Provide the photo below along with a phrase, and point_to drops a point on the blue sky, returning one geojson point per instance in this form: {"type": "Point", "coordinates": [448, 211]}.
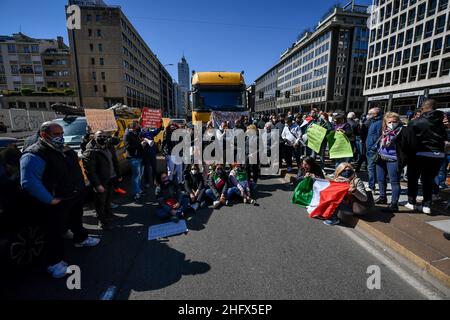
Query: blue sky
{"type": "Point", "coordinates": [231, 35]}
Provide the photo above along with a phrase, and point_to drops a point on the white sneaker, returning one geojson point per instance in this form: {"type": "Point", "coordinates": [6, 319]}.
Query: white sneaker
{"type": "Point", "coordinates": [59, 270]}
{"type": "Point", "coordinates": [89, 242]}
{"type": "Point", "coordinates": [216, 204]}
{"type": "Point", "coordinates": [195, 206]}
{"type": "Point", "coordinates": [410, 206]}
{"type": "Point", "coordinates": [426, 210]}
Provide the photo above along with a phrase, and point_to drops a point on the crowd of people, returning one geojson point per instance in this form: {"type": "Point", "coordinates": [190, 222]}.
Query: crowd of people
{"type": "Point", "coordinates": [47, 175]}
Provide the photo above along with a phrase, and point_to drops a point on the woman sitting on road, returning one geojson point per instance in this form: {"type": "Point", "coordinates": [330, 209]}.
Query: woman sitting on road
{"type": "Point", "coordinates": [239, 179]}
{"type": "Point", "coordinates": [194, 185]}
{"type": "Point", "coordinates": [172, 203]}
{"type": "Point", "coordinates": [357, 200]}
{"type": "Point", "coordinates": [309, 168]}
{"type": "Point", "coordinates": [218, 183]}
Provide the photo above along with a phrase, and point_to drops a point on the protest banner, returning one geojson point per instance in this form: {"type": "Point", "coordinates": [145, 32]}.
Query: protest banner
{"type": "Point", "coordinates": [167, 229]}
{"type": "Point", "coordinates": [151, 118]}
{"type": "Point", "coordinates": [217, 117]}
{"type": "Point", "coordinates": [339, 146]}
{"type": "Point", "coordinates": [101, 120]}
{"type": "Point", "coordinates": [316, 135]}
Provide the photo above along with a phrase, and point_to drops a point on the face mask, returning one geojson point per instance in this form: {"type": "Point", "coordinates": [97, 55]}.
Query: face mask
{"type": "Point", "coordinates": [392, 126]}
{"type": "Point", "coordinates": [219, 171]}
{"type": "Point", "coordinates": [102, 141]}
{"type": "Point", "coordinates": [194, 172]}
{"type": "Point", "coordinates": [58, 142]}
{"type": "Point", "coordinates": [347, 174]}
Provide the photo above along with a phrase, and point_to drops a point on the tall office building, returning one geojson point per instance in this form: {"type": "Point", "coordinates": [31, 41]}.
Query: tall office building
{"type": "Point", "coordinates": [113, 64]}
{"type": "Point", "coordinates": [409, 54]}
{"type": "Point", "coordinates": [183, 74]}
{"type": "Point", "coordinates": [325, 68]}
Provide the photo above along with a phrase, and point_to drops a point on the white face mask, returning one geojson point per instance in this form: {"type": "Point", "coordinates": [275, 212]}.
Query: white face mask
{"type": "Point", "coordinates": [393, 126]}
{"type": "Point", "coordinates": [194, 172]}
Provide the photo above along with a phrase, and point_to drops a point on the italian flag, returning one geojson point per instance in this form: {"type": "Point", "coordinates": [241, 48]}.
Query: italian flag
{"type": "Point", "coordinates": [320, 197]}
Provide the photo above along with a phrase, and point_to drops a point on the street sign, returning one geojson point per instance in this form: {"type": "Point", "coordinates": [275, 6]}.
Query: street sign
{"type": "Point", "coordinates": [167, 229]}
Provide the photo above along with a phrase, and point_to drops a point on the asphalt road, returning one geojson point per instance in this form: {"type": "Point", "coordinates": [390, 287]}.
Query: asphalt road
{"type": "Point", "coordinates": [273, 251]}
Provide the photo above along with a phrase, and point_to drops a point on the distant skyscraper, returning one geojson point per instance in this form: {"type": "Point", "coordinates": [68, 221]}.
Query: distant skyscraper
{"type": "Point", "coordinates": [183, 74]}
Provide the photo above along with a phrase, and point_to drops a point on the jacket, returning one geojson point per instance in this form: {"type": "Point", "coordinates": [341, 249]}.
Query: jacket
{"type": "Point", "coordinates": [374, 134]}
{"type": "Point", "coordinates": [430, 132]}
{"type": "Point", "coordinates": [193, 182]}
{"type": "Point", "coordinates": [98, 166]}
{"type": "Point", "coordinates": [135, 150]}
{"type": "Point", "coordinates": [218, 184]}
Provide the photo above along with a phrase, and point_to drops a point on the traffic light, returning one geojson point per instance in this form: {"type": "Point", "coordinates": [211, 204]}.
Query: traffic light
{"type": "Point", "coordinates": [287, 94]}
{"type": "Point", "coordinates": [261, 94]}
{"type": "Point", "coordinates": [277, 93]}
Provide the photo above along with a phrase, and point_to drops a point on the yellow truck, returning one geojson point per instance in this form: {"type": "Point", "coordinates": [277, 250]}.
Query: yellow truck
{"type": "Point", "coordinates": [217, 91]}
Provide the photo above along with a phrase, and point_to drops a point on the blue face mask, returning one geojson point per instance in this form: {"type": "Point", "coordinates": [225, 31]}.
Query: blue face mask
{"type": "Point", "coordinates": [347, 174]}
{"type": "Point", "coordinates": [58, 142]}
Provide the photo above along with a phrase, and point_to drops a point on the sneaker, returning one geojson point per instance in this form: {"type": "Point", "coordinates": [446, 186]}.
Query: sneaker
{"type": "Point", "coordinates": [332, 222]}
{"type": "Point", "coordinates": [120, 191]}
{"type": "Point", "coordinates": [195, 206]}
{"type": "Point", "coordinates": [138, 197]}
{"type": "Point", "coordinates": [68, 235]}
{"type": "Point", "coordinates": [245, 200]}
{"type": "Point", "coordinates": [89, 242]}
{"type": "Point", "coordinates": [392, 208]}
{"type": "Point", "coordinates": [227, 203]}
{"type": "Point", "coordinates": [426, 210]}
{"type": "Point", "coordinates": [252, 201]}
{"type": "Point", "coordinates": [114, 205]}
{"type": "Point", "coordinates": [59, 270]}
{"type": "Point", "coordinates": [369, 190]}
{"type": "Point", "coordinates": [410, 206]}
{"type": "Point", "coordinates": [216, 204]}
{"type": "Point", "coordinates": [381, 200]}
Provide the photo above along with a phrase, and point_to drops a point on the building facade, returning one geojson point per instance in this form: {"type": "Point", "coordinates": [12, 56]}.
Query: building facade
{"type": "Point", "coordinates": [324, 69]}
{"type": "Point", "coordinates": [112, 62]}
{"type": "Point", "coordinates": [179, 100]}
{"type": "Point", "coordinates": [166, 90]}
{"type": "Point", "coordinates": [57, 67]}
{"type": "Point", "coordinates": [184, 77]}
{"type": "Point", "coordinates": [409, 54]}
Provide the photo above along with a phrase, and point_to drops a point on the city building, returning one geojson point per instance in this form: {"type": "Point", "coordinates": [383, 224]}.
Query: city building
{"type": "Point", "coordinates": [33, 67]}
{"type": "Point", "coordinates": [184, 77]}
{"type": "Point", "coordinates": [409, 54]}
{"type": "Point", "coordinates": [325, 68]}
{"type": "Point", "coordinates": [179, 99]}
{"type": "Point", "coordinates": [251, 98]}
{"type": "Point", "coordinates": [112, 62]}
{"type": "Point", "coordinates": [166, 91]}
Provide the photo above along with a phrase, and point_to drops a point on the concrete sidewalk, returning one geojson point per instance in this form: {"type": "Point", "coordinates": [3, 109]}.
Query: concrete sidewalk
{"type": "Point", "coordinates": [417, 237]}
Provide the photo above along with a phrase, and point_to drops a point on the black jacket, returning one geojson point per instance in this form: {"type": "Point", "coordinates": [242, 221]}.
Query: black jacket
{"type": "Point", "coordinates": [212, 184]}
{"type": "Point", "coordinates": [193, 182]}
{"type": "Point", "coordinates": [430, 132]}
{"type": "Point", "coordinates": [97, 165]}
{"type": "Point", "coordinates": [134, 146]}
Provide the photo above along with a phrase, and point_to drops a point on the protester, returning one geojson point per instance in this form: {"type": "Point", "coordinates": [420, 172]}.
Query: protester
{"type": "Point", "coordinates": [135, 155]}
{"type": "Point", "coordinates": [239, 179]}
{"type": "Point", "coordinates": [324, 122]}
{"type": "Point", "coordinates": [356, 192]}
{"type": "Point", "coordinates": [309, 168]}
{"type": "Point", "coordinates": [172, 204]}
{"type": "Point", "coordinates": [150, 152]}
{"type": "Point", "coordinates": [351, 119]}
{"type": "Point", "coordinates": [252, 156]}
{"type": "Point", "coordinates": [374, 128]}
{"type": "Point", "coordinates": [341, 125]}
{"type": "Point", "coordinates": [174, 169]}
{"type": "Point", "coordinates": [58, 196]}
{"type": "Point", "coordinates": [430, 134]}
{"type": "Point", "coordinates": [102, 168]}
{"type": "Point", "coordinates": [388, 164]}
{"type": "Point", "coordinates": [290, 136]}
{"type": "Point", "coordinates": [194, 185]}
{"type": "Point", "coordinates": [218, 183]}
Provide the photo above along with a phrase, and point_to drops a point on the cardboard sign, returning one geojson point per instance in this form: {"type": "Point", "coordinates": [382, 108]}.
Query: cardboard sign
{"type": "Point", "coordinates": [151, 118]}
{"type": "Point", "coordinates": [101, 120]}
{"type": "Point", "coordinates": [167, 229]}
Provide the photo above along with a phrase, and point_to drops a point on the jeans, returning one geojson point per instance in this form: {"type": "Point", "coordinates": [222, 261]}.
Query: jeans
{"type": "Point", "coordinates": [184, 203]}
{"type": "Point", "coordinates": [230, 192]}
{"type": "Point", "coordinates": [385, 168]}
{"type": "Point", "coordinates": [371, 169]}
{"type": "Point", "coordinates": [150, 170]}
{"type": "Point", "coordinates": [358, 149]}
{"type": "Point", "coordinates": [441, 179]}
{"type": "Point", "coordinates": [137, 170]}
{"type": "Point", "coordinates": [427, 173]}
{"type": "Point", "coordinates": [174, 169]}
{"type": "Point", "coordinates": [289, 153]}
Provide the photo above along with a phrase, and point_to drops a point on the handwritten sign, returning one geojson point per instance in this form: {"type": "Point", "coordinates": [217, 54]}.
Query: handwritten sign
{"type": "Point", "coordinates": [151, 118]}
{"type": "Point", "coordinates": [101, 120]}
{"type": "Point", "coordinates": [166, 230]}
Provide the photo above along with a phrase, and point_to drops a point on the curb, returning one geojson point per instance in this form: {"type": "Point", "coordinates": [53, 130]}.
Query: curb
{"type": "Point", "coordinates": [422, 264]}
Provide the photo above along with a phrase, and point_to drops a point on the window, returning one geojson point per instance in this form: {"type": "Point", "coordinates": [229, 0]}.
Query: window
{"type": "Point", "coordinates": [392, 43]}
{"type": "Point", "coordinates": [411, 16]}
{"type": "Point", "coordinates": [102, 61]}
{"type": "Point", "coordinates": [409, 36]}
{"type": "Point", "coordinates": [385, 46]}
{"type": "Point", "coordinates": [421, 11]}
{"type": "Point", "coordinates": [395, 77]}
{"type": "Point", "coordinates": [35, 49]}
{"type": "Point", "coordinates": [404, 75]}
{"type": "Point", "coordinates": [14, 69]}
{"type": "Point", "coordinates": [104, 88]}
{"type": "Point", "coordinates": [443, 4]}
{"type": "Point", "coordinates": [413, 73]}
{"type": "Point", "coordinates": [445, 70]}
{"type": "Point", "coordinates": [423, 71]}
{"type": "Point", "coordinates": [90, 32]}
{"type": "Point", "coordinates": [380, 80]}
{"type": "Point", "coordinates": [388, 79]}
{"type": "Point", "coordinates": [400, 39]}
{"type": "Point", "coordinates": [91, 46]}
{"type": "Point", "coordinates": [94, 75]}
{"type": "Point", "coordinates": [89, 18]}
{"type": "Point", "coordinates": [402, 21]}
{"type": "Point", "coordinates": [437, 47]}
{"type": "Point", "coordinates": [96, 88]}
{"type": "Point", "coordinates": [387, 28]}
{"type": "Point", "coordinates": [429, 28]}
{"type": "Point", "coordinates": [426, 48]}
{"type": "Point", "coordinates": [11, 48]}
{"type": "Point", "coordinates": [434, 68]}
{"type": "Point", "coordinates": [447, 44]}
{"type": "Point", "coordinates": [100, 47]}
{"type": "Point", "coordinates": [419, 33]}
{"type": "Point", "coordinates": [99, 33]}
{"type": "Point", "coordinates": [93, 61]}
{"type": "Point", "coordinates": [390, 61]}
{"type": "Point", "coordinates": [394, 25]}
{"type": "Point", "coordinates": [98, 18]}
{"type": "Point", "coordinates": [431, 7]}
{"type": "Point", "coordinates": [382, 63]}
{"type": "Point", "coordinates": [398, 58]}
{"type": "Point", "coordinates": [440, 24]}
{"type": "Point", "coordinates": [103, 76]}
{"type": "Point", "coordinates": [416, 53]}
{"type": "Point", "coordinates": [406, 56]}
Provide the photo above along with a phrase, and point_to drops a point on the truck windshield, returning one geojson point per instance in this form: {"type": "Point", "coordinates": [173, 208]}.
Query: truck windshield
{"type": "Point", "coordinates": [220, 100]}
